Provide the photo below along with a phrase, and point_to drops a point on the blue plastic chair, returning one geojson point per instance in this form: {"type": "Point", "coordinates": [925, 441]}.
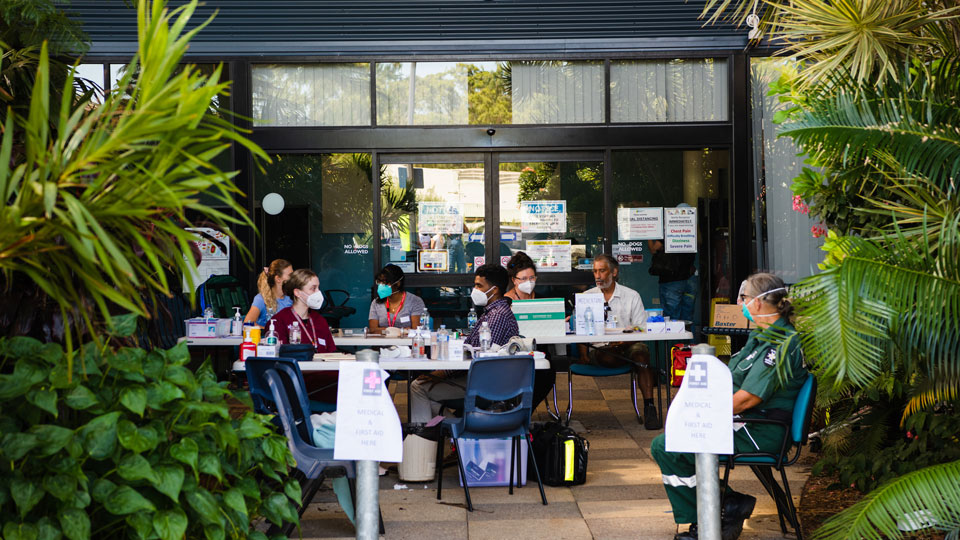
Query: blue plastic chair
{"type": "Point", "coordinates": [259, 391]}
{"type": "Point", "coordinates": [762, 463]}
{"type": "Point", "coordinates": [494, 379]}
{"type": "Point", "coordinates": [591, 370]}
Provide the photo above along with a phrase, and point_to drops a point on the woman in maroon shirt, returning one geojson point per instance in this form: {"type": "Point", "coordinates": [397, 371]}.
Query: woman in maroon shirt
{"type": "Point", "coordinates": [304, 287]}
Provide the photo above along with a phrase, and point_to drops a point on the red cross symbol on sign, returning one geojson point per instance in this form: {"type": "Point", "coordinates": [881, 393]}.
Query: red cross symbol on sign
{"type": "Point", "coordinates": [372, 380]}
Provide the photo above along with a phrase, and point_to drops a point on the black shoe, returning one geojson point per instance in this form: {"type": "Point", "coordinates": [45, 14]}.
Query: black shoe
{"type": "Point", "coordinates": [687, 535]}
{"type": "Point", "coordinates": [737, 506]}
{"type": "Point", "coordinates": [731, 530]}
{"type": "Point", "coordinates": [651, 418]}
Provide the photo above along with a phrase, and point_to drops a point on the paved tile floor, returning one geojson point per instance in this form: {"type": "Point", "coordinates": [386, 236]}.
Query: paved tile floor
{"type": "Point", "coordinates": [622, 498]}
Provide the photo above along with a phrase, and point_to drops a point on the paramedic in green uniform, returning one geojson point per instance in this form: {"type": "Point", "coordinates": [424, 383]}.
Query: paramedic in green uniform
{"type": "Point", "coordinates": [757, 392]}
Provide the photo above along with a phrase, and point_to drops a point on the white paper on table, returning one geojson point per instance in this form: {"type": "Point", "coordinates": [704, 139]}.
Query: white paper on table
{"type": "Point", "coordinates": [593, 301]}
{"type": "Point", "coordinates": [700, 418]}
{"type": "Point", "coordinates": [455, 349]}
{"type": "Point", "coordinates": [368, 427]}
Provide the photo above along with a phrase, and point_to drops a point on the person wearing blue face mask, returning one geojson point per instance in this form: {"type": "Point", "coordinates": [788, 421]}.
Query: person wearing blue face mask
{"type": "Point", "coordinates": [393, 306]}
{"type": "Point", "coordinates": [757, 393]}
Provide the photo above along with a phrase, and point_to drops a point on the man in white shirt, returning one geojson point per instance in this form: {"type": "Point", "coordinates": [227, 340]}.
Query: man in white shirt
{"type": "Point", "coordinates": [625, 304]}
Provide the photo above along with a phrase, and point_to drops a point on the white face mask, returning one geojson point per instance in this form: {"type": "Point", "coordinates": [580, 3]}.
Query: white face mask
{"type": "Point", "coordinates": [527, 286]}
{"type": "Point", "coordinates": [479, 297]}
{"type": "Point", "coordinates": [314, 301]}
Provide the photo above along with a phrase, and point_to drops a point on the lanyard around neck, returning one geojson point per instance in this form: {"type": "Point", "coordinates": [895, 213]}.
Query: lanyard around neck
{"type": "Point", "coordinates": [399, 309]}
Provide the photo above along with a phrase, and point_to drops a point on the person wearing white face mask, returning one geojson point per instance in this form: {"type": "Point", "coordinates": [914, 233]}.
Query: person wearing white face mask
{"type": "Point", "coordinates": [428, 391]}
{"type": "Point", "coordinates": [304, 287]}
{"type": "Point", "coordinates": [523, 277]}
{"type": "Point", "coordinates": [758, 392]}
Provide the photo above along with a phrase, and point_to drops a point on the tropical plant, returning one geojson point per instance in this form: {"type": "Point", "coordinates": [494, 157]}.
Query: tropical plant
{"type": "Point", "coordinates": [132, 444]}
{"type": "Point", "coordinates": [96, 208]}
{"type": "Point", "coordinates": [875, 109]}
{"type": "Point", "coordinates": [867, 37]}
{"type": "Point", "coordinates": [122, 442]}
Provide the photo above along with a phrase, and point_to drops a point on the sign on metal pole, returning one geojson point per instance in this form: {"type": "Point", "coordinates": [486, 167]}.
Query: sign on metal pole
{"type": "Point", "coordinates": [700, 421]}
{"type": "Point", "coordinates": [368, 431]}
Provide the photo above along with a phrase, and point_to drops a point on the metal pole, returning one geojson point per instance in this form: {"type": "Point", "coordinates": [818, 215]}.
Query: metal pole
{"type": "Point", "coordinates": [368, 481]}
{"type": "Point", "coordinates": [708, 482]}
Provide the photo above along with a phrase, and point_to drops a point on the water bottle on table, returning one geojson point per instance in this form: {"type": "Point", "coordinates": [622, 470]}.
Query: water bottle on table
{"type": "Point", "coordinates": [425, 320]}
{"type": "Point", "coordinates": [486, 338]}
{"type": "Point", "coordinates": [588, 322]}
{"type": "Point", "coordinates": [471, 318]}
{"type": "Point", "coordinates": [443, 343]}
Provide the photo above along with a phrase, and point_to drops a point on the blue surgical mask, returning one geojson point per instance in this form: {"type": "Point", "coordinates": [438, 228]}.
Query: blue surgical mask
{"type": "Point", "coordinates": [746, 312]}
{"type": "Point", "coordinates": [384, 290]}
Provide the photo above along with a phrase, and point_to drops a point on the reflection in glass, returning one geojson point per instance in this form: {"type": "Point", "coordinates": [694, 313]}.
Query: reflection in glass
{"type": "Point", "coordinates": [520, 92]}
{"type": "Point", "coordinates": [579, 185]}
{"type": "Point", "coordinates": [666, 179]}
{"type": "Point", "coordinates": [433, 217]}
{"type": "Point", "coordinates": [326, 223]}
{"type": "Point", "coordinates": [90, 80]}
{"type": "Point", "coordinates": [311, 95]}
{"type": "Point", "coordinates": [795, 253]}
{"type": "Point", "coordinates": [668, 91]}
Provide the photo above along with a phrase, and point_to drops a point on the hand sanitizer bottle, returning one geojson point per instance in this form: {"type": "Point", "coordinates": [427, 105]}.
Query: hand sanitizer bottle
{"type": "Point", "coordinates": [272, 334]}
{"type": "Point", "coordinates": [236, 325]}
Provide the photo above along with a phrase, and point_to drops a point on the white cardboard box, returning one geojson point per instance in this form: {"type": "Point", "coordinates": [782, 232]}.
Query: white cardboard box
{"type": "Point", "coordinates": [540, 317]}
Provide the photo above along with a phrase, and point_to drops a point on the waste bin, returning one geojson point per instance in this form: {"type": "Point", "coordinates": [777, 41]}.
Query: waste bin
{"type": "Point", "coordinates": [419, 453]}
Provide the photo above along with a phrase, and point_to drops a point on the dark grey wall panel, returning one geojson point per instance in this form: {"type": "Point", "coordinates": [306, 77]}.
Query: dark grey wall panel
{"type": "Point", "coordinates": [383, 27]}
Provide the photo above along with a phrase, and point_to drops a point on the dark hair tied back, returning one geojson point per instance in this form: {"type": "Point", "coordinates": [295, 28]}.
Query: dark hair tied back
{"type": "Point", "coordinates": [776, 291]}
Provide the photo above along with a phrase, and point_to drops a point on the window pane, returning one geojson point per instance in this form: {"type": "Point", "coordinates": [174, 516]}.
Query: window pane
{"type": "Point", "coordinates": [92, 75]}
{"type": "Point", "coordinates": [668, 91]}
{"type": "Point", "coordinates": [665, 180]}
{"type": "Point", "coordinates": [557, 92]}
{"type": "Point", "coordinates": [325, 224]}
{"type": "Point", "coordinates": [795, 253]}
{"type": "Point", "coordinates": [451, 93]}
{"type": "Point", "coordinates": [433, 217]}
{"type": "Point", "coordinates": [556, 243]}
{"type": "Point", "coordinates": [311, 95]}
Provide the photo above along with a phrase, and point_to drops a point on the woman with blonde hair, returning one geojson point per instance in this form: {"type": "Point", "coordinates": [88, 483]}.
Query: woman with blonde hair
{"type": "Point", "coordinates": [270, 298]}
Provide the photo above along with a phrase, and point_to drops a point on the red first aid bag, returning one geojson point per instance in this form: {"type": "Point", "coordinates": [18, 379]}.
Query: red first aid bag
{"type": "Point", "coordinates": [679, 354]}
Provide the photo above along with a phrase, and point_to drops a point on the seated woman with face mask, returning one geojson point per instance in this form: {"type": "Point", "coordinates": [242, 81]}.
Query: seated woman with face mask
{"type": "Point", "coordinates": [393, 306]}
{"type": "Point", "coordinates": [304, 287]}
{"type": "Point", "coordinates": [523, 277]}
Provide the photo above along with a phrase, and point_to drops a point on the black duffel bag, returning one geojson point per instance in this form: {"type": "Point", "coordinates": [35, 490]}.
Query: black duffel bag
{"type": "Point", "coordinates": [561, 455]}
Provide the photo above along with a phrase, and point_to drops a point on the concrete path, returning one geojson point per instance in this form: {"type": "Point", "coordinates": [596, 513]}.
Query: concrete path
{"type": "Point", "coordinates": [622, 498]}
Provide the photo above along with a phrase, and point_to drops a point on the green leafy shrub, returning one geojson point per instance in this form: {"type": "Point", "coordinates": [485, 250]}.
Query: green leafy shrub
{"type": "Point", "coordinates": [133, 445]}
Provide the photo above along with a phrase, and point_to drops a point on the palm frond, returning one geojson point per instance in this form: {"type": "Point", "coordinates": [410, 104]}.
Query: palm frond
{"type": "Point", "coordinates": [104, 195]}
{"type": "Point", "coordinates": [854, 316]}
{"type": "Point", "coordinates": [922, 500]}
{"type": "Point", "coordinates": [915, 123]}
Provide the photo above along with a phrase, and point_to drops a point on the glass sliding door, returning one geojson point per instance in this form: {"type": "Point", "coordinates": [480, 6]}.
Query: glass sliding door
{"type": "Point", "coordinates": [432, 213]}
{"type": "Point", "coordinates": [551, 207]}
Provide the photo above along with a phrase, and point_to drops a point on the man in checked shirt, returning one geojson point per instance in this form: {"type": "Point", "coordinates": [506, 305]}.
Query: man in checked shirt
{"type": "Point", "coordinates": [428, 391]}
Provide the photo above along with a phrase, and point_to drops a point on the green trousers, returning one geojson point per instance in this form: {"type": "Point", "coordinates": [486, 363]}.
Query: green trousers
{"type": "Point", "coordinates": [679, 469]}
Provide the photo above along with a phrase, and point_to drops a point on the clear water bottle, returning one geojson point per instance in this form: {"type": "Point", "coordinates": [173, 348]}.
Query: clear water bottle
{"type": "Point", "coordinates": [425, 320]}
{"type": "Point", "coordinates": [486, 339]}
{"type": "Point", "coordinates": [471, 318]}
{"type": "Point", "coordinates": [588, 321]}
{"type": "Point", "coordinates": [443, 343]}
{"type": "Point", "coordinates": [417, 349]}
{"type": "Point", "coordinates": [294, 333]}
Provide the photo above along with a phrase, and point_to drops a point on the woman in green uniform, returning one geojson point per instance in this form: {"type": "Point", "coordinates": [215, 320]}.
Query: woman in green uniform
{"type": "Point", "coordinates": [757, 392]}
